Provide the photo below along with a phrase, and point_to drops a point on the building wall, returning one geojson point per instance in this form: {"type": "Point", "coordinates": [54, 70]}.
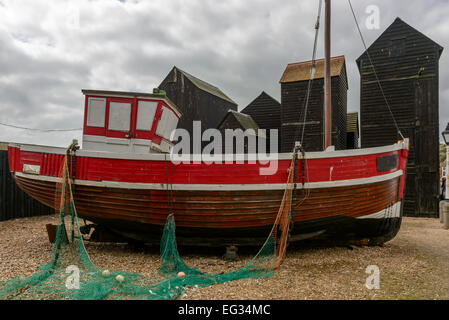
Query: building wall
{"type": "Point", "coordinates": [293, 97]}
{"type": "Point", "coordinates": [352, 141]}
{"type": "Point", "coordinates": [266, 112]}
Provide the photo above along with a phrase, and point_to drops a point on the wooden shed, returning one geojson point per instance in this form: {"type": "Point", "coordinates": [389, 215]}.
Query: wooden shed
{"type": "Point", "coordinates": [294, 85]}
{"type": "Point", "coordinates": [407, 65]}
{"type": "Point", "coordinates": [352, 130]}
{"type": "Point", "coordinates": [196, 99]}
{"type": "Point", "coordinates": [236, 120]}
{"type": "Point", "coordinates": [266, 112]}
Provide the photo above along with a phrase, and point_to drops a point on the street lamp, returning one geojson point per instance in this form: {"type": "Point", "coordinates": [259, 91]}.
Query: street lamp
{"type": "Point", "coordinates": [446, 135]}
{"type": "Point", "coordinates": [446, 140]}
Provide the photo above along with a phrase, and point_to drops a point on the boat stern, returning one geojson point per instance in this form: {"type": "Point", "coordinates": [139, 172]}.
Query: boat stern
{"type": "Point", "coordinates": [13, 155]}
{"type": "Point", "coordinates": [403, 157]}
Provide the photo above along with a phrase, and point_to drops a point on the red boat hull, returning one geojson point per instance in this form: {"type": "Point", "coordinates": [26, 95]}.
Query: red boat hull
{"type": "Point", "coordinates": [345, 195]}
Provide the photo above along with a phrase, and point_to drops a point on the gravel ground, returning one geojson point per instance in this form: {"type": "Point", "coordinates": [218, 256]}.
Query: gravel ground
{"type": "Point", "coordinates": [415, 265]}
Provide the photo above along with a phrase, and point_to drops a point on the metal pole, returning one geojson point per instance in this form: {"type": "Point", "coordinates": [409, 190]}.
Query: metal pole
{"type": "Point", "coordinates": [447, 172]}
{"type": "Point", "coordinates": [327, 89]}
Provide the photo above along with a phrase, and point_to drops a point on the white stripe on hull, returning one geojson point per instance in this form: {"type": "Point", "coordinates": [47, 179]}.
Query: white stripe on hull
{"type": "Point", "coordinates": [391, 212]}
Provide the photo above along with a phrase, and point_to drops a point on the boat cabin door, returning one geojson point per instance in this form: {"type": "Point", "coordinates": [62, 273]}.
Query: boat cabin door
{"type": "Point", "coordinates": [130, 123]}
{"type": "Point", "coordinates": [119, 123]}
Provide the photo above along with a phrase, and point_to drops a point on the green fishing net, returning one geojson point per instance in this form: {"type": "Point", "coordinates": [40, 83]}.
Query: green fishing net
{"type": "Point", "coordinates": [71, 275]}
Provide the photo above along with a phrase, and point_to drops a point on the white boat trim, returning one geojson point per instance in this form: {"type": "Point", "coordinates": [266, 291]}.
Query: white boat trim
{"type": "Point", "coordinates": [391, 212]}
{"type": "Point", "coordinates": [219, 187]}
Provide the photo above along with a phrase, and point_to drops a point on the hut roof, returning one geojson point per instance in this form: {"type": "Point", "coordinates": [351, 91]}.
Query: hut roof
{"type": "Point", "coordinates": [263, 95]}
{"type": "Point", "coordinates": [203, 85]}
{"type": "Point", "coordinates": [245, 121]}
{"type": "Point", "coordinates": [396, 23]}
{"type": "Point", "coordinates": [300, 71]}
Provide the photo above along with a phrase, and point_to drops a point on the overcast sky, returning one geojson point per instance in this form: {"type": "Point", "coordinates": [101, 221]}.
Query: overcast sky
{"type": "Point", "coordinates": [50, 50]}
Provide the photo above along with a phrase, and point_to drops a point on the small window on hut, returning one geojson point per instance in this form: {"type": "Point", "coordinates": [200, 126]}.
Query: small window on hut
{"type": "Point", "coordinates": [145, 115]}
{"type": "Point", "coordinates": [119, 116]}
{"type": "Point", "coordinates": [397, 47]}
{"type": "Point", "coordinates": [96, 110]}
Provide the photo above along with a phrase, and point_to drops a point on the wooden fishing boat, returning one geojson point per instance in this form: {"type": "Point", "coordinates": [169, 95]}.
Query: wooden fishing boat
{"type": "Point", "coordinates": [351, 194]}
{"type": "Point", "coordinates": [124, 180]}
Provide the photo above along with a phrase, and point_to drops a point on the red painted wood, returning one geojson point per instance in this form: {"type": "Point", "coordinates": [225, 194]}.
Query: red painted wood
{"type": "Point", "coordinates": [12, 156]}
{"type": "Point", "coordinates": [94, 131]}
{"type": "Point", "coordinates": [403, 166]}
{"type": "Point", "coordinates": [85, 128]}
{"type": "Point", "coordinates": [139, 171]}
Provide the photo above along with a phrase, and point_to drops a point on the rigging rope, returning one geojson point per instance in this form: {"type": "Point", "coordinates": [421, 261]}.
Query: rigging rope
{"type": "Point", "coordinates": [311, 75]}
{"type": "Point", "coordinates": [306, 194]}
{"type": "Point", "coordinates": [35, 129]}
{"type": "Point", "coordinates": [374, 70]}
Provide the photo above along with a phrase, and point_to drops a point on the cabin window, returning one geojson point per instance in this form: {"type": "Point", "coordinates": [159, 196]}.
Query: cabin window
{"type": "Point", "coordinates": [96, 110]}
{"type": "Point", "coordinates": [167, 124]}
{"type": "Point", "coordinates": [387, 163]}
{"type": "Point", "coordinates": [119, 116]}
{"type": "Point", "coordinates": [146, 111]}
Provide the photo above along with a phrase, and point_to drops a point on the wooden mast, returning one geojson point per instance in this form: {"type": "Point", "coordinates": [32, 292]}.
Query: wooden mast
{"type": "Point", "coordinates": [327, 81]}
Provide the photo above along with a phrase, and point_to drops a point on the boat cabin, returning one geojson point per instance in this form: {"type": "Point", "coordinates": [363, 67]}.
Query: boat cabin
{"type": "Point", "coordinates": [127, 122]}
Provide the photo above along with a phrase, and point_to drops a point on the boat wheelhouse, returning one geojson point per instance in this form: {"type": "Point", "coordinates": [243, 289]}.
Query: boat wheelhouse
{"type": "Point", "coordinates": [128, 122]}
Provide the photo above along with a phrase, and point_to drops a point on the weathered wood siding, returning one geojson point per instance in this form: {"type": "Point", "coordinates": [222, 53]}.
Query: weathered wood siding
{"type": "Point", "coordinates": [293, 97]}
{"type": "Point", "coordinates": [266, 112]}
{"type": "Point", "coordinates": [14, 203]}
{"type": "Point", "coordinates": [194, 103]}
{"type": "Point", "coordinates": [407, 64]}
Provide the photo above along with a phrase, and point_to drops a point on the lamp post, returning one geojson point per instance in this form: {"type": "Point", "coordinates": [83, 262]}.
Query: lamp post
{"type": "Point", "coordinates": [446, 135]}
{"type": "Point", "coordinates": [446, 141]}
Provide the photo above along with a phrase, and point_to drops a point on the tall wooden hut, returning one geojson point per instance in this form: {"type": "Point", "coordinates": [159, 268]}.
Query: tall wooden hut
{"type": "Point", "coordinates": [196, 99]}
{"type": "Point", "coordinates": [266, 112]}
{"type": "Point", "coordinates": [294, 86]}
{"type": "Point", "coordinates": [407, 65]}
